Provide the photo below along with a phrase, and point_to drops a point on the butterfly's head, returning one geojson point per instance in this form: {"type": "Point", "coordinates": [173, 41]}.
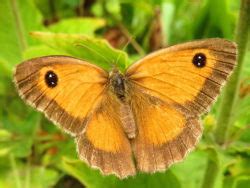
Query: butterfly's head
{"type": "Point", "coordinates": [115, 74]}
{"type": "Point", "coordinates": [114, 71]}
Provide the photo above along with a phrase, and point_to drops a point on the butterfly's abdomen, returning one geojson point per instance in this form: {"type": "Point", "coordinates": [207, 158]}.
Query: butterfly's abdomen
{"type": "Point", "coordinates": [128, 121]}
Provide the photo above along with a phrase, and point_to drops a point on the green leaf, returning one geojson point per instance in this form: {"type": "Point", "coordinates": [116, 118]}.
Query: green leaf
{"type": "Point", "coordinates": [7, 176]}
{"type": "Point", "coordinates": [242, 147]}
{"type": "Point", "coordinates": [4, 150]}
{"type": "Point", "coordinates": [13, 173]}
{"type": "Point", "coordinates": [64, 148]}
{"type": "Point", "coordinates": [86, 26]}
{"type": "Point", "coordinates": [96, 51]}
{"type": "Point", "coordinates": [17, 19]}
{"type": "Point", "coordinates": [40, 50]}
{"type": "Point", "coordinates": [167, 15]}
{"type": "Point", "coordinates": [93, 179]}
{"type": "Point", "coordinates": [97, 9]}
{"type": "Point", "coordinates": [23, 132]}
{"type": "Point", "coordinates": [59, 9]}
{"type": "Point", "coordinates": [242, 182]}
{"type": "Point", "coordinates": [113, 7]}
{"type": "Point", "coordinates": [193, 165]}
{"type": "Point", "coordinates": [213, 20]}
{"type": "Point", "coordinates": [5, 77]}
{"type": "Point", "coordinates": [4, 135]}
{"type": "Point", "coordinates": [241, 166]}
{"type": "Point", "coordinates": [42, 177]}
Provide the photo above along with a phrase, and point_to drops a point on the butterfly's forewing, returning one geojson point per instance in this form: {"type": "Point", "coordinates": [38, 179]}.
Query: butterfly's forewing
{"type": "Point", "coordinates": [185, 80]}
{"type": "Point", "coordinates": [171, 75]}
{"type": "Point", "coordinates": [69, 100]}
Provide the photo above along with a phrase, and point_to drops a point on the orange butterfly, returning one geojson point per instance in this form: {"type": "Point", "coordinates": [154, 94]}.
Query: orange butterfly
{"type": "Point", "coordinates": [143, 120]}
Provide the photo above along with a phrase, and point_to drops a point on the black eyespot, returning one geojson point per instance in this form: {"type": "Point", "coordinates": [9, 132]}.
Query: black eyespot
{"type": "Point", "coordinates": [199, 60]}
{"type": "Point", "coordinates": [51, 79]}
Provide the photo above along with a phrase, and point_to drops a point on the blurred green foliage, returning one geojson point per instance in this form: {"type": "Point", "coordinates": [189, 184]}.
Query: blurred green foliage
{"type": "Point", "coordinates": [34, 153]}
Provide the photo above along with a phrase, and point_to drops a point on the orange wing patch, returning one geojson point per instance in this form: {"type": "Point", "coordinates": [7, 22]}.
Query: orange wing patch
{"type": "Point", "coordinates": [70, 101]}
{"type": "Point", "coordinates": [175, 77]}
{"type": "Point", "coordinates": [76, 81]}
{"type": "Point", "coordinates": [165, 134]}
{"type": "Point", "coordinates": [160, 123]}
{"type": "Point", "coordinates": [105, 132]}
{"type": "Point", "coordinates": [170, 74]}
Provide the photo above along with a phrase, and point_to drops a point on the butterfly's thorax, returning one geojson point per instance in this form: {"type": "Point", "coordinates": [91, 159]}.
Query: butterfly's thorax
{"type": "Point", "coordinates": [117, 84]}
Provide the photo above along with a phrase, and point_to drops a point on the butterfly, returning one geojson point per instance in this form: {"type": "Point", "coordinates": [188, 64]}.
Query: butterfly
{"type": "Point", "coordinates": [143, 120]}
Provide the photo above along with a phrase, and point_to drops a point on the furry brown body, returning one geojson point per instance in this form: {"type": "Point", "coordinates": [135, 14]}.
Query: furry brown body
{"type": "Point", "coordinates": [119, 87]}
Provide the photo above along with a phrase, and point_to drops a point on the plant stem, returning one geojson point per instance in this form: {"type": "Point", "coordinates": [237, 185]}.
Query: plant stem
{"type": "Point", "coordinates": [27, 173]}
{"type": "Point", "coordinates": [231, 91]}
{"type": "Point", "coordinates": [230, 95]}
{"type": "Point", "coordinates": [16, 175]}
{"type": "Point", "coordinates": [81, 7]}
{"type": "Point", "coordinates": [134, 43]}
{"type": "Point", "coordinates": [211, 173]}
{"type": "Point", "coordinates": [19, 25]}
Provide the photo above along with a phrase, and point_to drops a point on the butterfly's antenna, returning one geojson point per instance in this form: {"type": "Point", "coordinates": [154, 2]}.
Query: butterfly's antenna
{"type": "Point", "coordinates": [118, 57]}
{"type": "Point", "coordinates": [99, 54]}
